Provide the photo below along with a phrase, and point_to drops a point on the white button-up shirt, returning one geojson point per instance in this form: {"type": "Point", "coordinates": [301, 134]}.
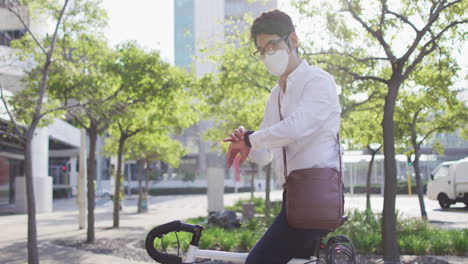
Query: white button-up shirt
{"type": "Point", "coordinates": [311, 120]}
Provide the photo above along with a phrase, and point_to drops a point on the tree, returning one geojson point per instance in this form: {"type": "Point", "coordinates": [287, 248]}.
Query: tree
{"type": "Point", "coordinates": [237, 94]}
{"type": "Point", "coordinates": [29, 105]}
{"type": "Point", "coordinates": [148, 147]}
{"type": "Point", "coordinates": [162, 102]}
{"type": "Point", "coordinates": [361, 129]}
{"type": "Point", "coordinates": [86, 75]}
{"type": "Point", "coordinates": [420, 116]}
{"type": "Point", "coordinates": [398, 37]}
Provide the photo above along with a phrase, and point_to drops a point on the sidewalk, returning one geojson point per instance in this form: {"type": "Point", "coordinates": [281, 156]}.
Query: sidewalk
{"type": "Point", "coordinates": [62, 225]}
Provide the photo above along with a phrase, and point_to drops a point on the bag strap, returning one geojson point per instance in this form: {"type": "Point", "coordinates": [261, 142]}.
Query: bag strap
{"type": "Point", "coordinates": [285, 165]}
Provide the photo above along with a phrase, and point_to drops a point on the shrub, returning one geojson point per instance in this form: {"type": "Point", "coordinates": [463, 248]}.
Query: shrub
{"type": "Point", "coordinates": [415, 236]}
{"type": "Point", "coordinates": [459, 241]}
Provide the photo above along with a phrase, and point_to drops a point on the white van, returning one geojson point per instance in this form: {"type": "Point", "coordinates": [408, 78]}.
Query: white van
{"type": "Point", "coordinates": [449, 183]}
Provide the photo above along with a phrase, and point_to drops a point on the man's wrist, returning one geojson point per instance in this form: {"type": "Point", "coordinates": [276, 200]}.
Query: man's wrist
{"type": "Point", "coordinates": [246, 138]}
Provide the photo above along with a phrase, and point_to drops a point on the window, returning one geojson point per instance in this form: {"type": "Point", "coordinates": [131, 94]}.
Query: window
{"type": "Point", "coordinates": [7, 36]}
{"type": "Point", "coordinates": [59, 170]}
{"type": "Point", "coordinates": [442, 172]}
{"type": "Point", "coordinates": [183, 32]}
{"type": "Point", "coordinates": [5, 3]}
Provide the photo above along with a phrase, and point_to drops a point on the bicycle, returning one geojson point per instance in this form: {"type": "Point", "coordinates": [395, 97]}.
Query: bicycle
{"type": "Point", "coordinates": [338, 249]}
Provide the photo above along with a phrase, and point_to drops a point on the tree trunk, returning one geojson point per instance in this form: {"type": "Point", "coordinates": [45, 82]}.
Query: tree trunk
{"type": "Point", "coordinates": [252, 186]}
{"type": "Point", "coordinates": [368, 182]}
{"type": "Point", "coordinates": [140, 167]}
{"type": "Point", "coordinates": [391, 253]}
{"type": "Point", "coordinates": [91, 172]}
{"type": "Point", "coordinates": [417, 171]}
{"type": "Point", "coordinates": [267, 190]}
{"type": "Point", "coordinates": [118, 179]}
{"type": "Point", "coordinates": [147, 182]}
{"type": "Point", "coordinates": [33, 257]}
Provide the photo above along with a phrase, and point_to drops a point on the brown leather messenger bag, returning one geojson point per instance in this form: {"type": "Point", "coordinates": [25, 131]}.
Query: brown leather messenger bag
{"type": "Point", "coordinates": [314, 196]}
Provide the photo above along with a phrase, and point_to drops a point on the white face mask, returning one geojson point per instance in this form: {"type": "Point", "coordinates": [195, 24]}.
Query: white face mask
{"type": "Point", "coordinates": [277, 63]}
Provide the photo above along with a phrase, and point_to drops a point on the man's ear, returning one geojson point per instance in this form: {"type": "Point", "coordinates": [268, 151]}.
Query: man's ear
{"type": "Point", "coordinates": [293, 40]}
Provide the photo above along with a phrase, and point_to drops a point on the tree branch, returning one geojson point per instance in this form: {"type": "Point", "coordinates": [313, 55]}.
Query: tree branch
{"type": "Point", "coordinates": [404, 19]}
{"type": "Point", "coordinates": [17, 13]}
{"type": "Point", "coordinates": [430, 132]}
{"type": "Point", "coordinates": [425, 51]}
{"type": "Point", "coordinates": [257, 84]}
{"type": "Point", "coordinates": [363, 77]}
{"type": "Point", "coordinates": [332, 52]}
{"type": "Point", "coordinates": [131, 134]}
{"type": "Point", "coordinates": [20, 138]}
{"type": "Point", "coordinates": [374, 151]}
{"type": "Point", "coordinates": [415, 117]}
{"type": "Point", "coordinates": [376, 34]}
{"type": "Point", "coordinates": [12, 119]}
{"type": "Point", "coordinates": [382, 13]}
{"type": "Point", "coordinates": [433, 16]}
{"type": "Point", "coordinates": [351, 107]}
{"type": "Point", "coordinates": [57, 26]}
{"type": "Point", "coordinates": [64, 107]}
{"type": "Point", "coordinates": [45, 73]}
{"type": "Point", "coordinates": [77, 119]}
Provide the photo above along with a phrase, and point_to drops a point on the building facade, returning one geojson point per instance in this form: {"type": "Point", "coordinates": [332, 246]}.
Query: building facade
{"type": "Point", "coordinates": [201, 25]}
{"type": "Point", "coordinates": [55, 147]}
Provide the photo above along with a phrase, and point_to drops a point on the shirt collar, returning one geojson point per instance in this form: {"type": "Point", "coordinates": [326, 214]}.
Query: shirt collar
{"type": "Point", "coordinates": [296, 74]}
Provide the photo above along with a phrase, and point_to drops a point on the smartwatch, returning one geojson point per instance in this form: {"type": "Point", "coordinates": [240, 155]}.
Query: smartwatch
{"type": "Point", "coordinates": [246, 138]}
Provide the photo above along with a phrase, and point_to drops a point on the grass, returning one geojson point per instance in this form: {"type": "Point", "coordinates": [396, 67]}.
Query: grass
{"type": "Point", "coordinates": [238, 240]}
{"type": "Point", "coordinates": [415, 237]}
{"type": "Point", "coordinates": [258, 202]}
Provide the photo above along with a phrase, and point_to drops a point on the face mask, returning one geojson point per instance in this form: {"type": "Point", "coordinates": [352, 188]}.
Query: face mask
{"type": "Point", "coordinates": [277, 63]}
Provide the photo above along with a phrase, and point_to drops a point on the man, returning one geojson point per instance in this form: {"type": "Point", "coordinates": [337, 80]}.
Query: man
{"type": "Point", "coordinates": [310, 110]}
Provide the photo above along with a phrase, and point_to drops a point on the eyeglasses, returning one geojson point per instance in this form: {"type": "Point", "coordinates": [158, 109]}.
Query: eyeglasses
{"type": "Point", "coordinates": [270, 48]}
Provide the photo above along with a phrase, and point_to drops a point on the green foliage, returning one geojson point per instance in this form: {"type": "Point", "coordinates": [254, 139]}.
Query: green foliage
{"type": "Point", "coordinates": [394, 44]}
{"type": "Point", "coordinates": [361, 125]}
{"type": "Point", "coordinates": [159, 103]}
{"type": "Point", "coordinates": [360, 43]}
{"type": "Point", "coordinates": [239, 240]}
{"type": "Point", "coordinates": [257, 201]}
{"type": "Point", "coordinates": [238, 93]}
{"type": "Point", "coordinates": [415, 237]}
{"type": "Point", "coordinates": [428, 104]}
{"type": "Point", "coordinates": [259, 207]}
{"type": "Point", "coordinates": [81, 17]}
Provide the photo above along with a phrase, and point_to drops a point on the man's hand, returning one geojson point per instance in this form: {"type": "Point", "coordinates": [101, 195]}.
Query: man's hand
{"type": "Point", "coordinates": [237, 135]}
{"type": "Point", "coordinates": [237, 148]}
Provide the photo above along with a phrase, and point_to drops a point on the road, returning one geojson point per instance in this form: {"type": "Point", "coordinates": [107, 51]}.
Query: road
{"type": "Point", "coordinates": [408, 206]}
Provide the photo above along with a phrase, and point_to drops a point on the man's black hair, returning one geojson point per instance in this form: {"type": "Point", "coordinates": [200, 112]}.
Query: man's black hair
{"type": "Point", "coordinates": [271, 23]}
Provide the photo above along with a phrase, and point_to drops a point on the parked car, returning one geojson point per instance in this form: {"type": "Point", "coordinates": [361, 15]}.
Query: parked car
{"type": "Point", "coordinates": [449, 183]}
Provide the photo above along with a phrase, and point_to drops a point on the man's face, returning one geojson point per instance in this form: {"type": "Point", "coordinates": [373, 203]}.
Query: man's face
{"type": "Point", "coordinates": [270, 43]}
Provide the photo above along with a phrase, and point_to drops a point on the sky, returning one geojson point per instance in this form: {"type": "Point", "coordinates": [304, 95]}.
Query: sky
{"type": "Point", "coordinates": [151, 24]}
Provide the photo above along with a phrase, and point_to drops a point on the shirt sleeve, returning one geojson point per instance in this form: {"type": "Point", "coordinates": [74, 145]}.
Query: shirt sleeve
{"type": "Point", "coordinates": [261, 155]}
{"type": "Point", "coordinates": [317, 104]}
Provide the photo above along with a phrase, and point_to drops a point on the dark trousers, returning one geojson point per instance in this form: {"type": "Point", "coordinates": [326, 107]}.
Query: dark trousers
{"type": "Point", "coordinates": [281, 243]}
